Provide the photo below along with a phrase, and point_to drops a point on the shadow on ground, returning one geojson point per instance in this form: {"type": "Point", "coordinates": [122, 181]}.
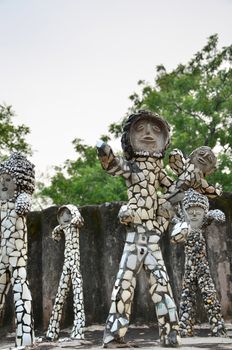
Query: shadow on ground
{"type": "Point", "coordinates": [145, 337]}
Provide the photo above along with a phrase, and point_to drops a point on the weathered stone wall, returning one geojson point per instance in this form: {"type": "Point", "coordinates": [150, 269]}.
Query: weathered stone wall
{"type": "Point", "coordinates": [101, 244]}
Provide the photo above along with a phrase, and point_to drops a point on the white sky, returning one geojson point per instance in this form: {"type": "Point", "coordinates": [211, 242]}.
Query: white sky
{"type": "Point", "coordinates": [68, 66]}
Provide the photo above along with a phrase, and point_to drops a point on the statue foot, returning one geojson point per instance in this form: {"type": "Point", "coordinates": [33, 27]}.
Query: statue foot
{"type": "Point", "coordinates": [172, 340]}
{"type": "Point", "coordinates": [119, 344]}
{"type": "Point", "coordinates": [185, 333]}
{"type": "Point", "coordinates": [220, 332]}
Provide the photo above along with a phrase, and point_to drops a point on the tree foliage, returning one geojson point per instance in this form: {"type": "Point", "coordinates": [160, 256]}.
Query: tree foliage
{"type": "Point", "coordinates": [196, 99]}
{"type": "Point", "coordinates": [83, 181]}
{"type": "Point", "coordinates": [12, 137]}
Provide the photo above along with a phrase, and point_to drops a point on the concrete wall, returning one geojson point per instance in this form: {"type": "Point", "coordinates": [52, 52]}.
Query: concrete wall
{"type": "Point", "coordinates": [101, 243]}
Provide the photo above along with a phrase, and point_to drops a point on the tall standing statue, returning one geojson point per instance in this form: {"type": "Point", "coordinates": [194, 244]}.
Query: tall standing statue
{"type": "Point", "coordinates": [144, 141]}
{"type": "Point", "coordinates": [70, 220]}
{"type": "Point", "coordinates": [197, 271]}
{"type": "Point", "coordinates": [16, 187]}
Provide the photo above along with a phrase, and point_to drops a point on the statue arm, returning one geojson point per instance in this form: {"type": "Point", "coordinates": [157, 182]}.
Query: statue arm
{"type": "Point", "coordinates": [126, 215]}
{"type": "Point", "coordinates": [215, 215]}
{"type": "Point", "coordinates": [181, 227]}
{"type": "Point", "coordinates": [194, 178]}
{"type": "Point", "coordinates": [177, 161]}
{"type": "Point", "coordinates": [56, 233]}
{"type": "Point", "coordinates": [165, 181]}
{"type": "Point", "coordinates": [210, 190]}
{"type": "Point", "coordinates": [112, 164]}
{"type": "Point", "coordinates": [23, 203]}
{"type": "Point", "coordinates": [180, 232]}
{"type": "Point", "coordinates": [77, 220]}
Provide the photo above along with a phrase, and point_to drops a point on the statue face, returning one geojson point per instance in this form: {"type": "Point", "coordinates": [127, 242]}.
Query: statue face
{"type": "Point", "coordinates": [64, 217]}
{"type": "Point", "coordinates": [196, 216]}
{"type": "Point", "coordinates": [7, 187]}
{"type": "Point", "coordinates": [147, 135]}
{"type": "Point", "coordinates": [204, 159]}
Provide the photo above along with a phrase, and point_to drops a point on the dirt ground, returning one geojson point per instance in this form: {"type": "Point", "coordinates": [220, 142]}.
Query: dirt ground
{"type": "Point", "coordinates": [142, 336]}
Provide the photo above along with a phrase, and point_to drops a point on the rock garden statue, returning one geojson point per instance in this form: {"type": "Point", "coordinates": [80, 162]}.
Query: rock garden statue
{"type": "Point", "coordinates": [195, 216]}
{"type": "Point", "coordinates": [192, 171]}
{"type": "Point", "coordinates": [70, 220]}
{"type": "Point", "coordinates": [16, 187]}
{"type": "Point", "coordinates": [144, 140]}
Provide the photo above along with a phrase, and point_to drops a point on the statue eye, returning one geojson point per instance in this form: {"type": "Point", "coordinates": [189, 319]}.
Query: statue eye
{"type": "Point", "coordinates": [156, 128]}
{"type": "Point", "coordinates": [139, 127]}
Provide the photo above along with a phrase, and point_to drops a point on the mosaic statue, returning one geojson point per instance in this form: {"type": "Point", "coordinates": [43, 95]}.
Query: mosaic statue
{"type": "Point", "coordinates": [197, 275]}
{"type": "Point", "coordinates": [192, 172]}
{"type": "Point", "coordinates": [70, 220]}
{"type": "Point", "coordinates": [144, 141]}
{"type": "Point", "coordinates": [16, 187]}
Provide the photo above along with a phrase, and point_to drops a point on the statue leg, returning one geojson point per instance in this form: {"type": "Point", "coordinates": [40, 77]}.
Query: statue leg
{"type": "Point", "coordinates": [212, 304]}
{"type": "Point", "coordinates": [63, 288]}
{"type": "Point", "coordinates": [162, 297]}
{"type": "Point", "coordinates": [4, 286]}
{"type": "Point", "coordinates": [187, 303]}
{"type": "Point", "coordinates": [78, 304]}
{"type": "Point", "coordinates": [122, 296]}
{"type": "Point", "coordinates": [23, 307]}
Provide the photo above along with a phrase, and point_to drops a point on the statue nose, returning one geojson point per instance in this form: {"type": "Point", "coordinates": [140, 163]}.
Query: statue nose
{"type": "Point", "coordinates": [148, 128]}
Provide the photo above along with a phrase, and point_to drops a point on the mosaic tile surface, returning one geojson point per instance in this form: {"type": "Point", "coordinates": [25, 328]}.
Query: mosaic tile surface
{"type": "Point", "coordinates": [16, 186]}
{"type": "Point", "coordinates": [70, 220]}
{"type": "Point", "coordinates": [144, 140]}
{"type": "Point", "coordinates": [197, 275]}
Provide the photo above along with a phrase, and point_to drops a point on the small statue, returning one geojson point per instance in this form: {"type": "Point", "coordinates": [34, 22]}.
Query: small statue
{"type": "Point", "coordinates": [70, 220]}
{"type": "Point", "coordinates": [197, 272]}
{"type": "Point", "coordinates": [192, 172]}
{"type": "Point", "coordinates": [16, 187]}
{"type": "Point", "coordinates": [144, 141]}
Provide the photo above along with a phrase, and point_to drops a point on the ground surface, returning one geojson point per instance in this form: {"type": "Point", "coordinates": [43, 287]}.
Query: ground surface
{"type": "Point", "coordinates": [144, 337]}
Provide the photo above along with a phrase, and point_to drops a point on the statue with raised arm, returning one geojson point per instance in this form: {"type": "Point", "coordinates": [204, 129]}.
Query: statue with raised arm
{"type": "Point", "coordinates": [144, 140]}
{"type": "Point", "coordinates": [192, 171]}
{"type": "Point", "coordinates": [16, 187]}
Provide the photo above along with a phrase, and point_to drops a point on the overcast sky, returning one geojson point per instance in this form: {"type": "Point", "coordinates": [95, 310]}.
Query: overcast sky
{"type": "Point", "coordinates": [68, 66]}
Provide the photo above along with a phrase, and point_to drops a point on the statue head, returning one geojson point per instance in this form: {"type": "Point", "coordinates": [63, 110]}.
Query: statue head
{"type": "Point", "coordinates": [7, 187]}
{"type": "Point", "coordinates": [64, 216]}
{"type": "Point", "coordinates": [204, 159]}
{"type": "Point", "coordinates": [17, 175]}
{"type": "Point", "coordinates": [145, 134]}
{"type": "Point", "coordinates": [197, 207]}
{"type": "Point", "coordinates": [68, 214]}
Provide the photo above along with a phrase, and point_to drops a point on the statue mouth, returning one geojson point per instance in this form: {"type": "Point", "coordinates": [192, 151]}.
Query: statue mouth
{"type": "Point", "coordinates": [202, 160]}
{"type": "Point", "coordinates": [148, 139]}
{"type": "Point", "coordinates": [4, 189]}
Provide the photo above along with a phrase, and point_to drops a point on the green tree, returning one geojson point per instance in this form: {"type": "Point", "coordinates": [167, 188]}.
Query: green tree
{"type": "Point", "coordinates": [196, 99]}
{"type": "Point", "coordinates": [12, 137]}
{"type": "Point", "coordinates": [83, 181]}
